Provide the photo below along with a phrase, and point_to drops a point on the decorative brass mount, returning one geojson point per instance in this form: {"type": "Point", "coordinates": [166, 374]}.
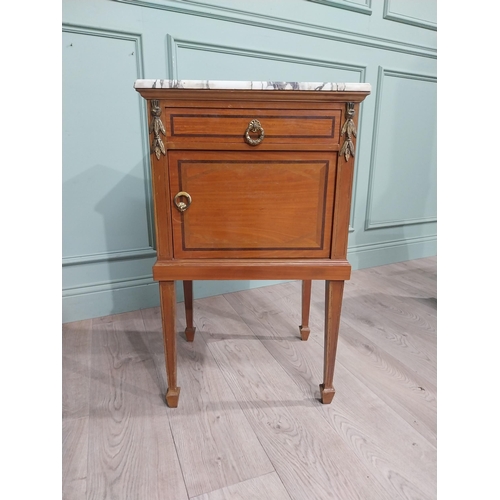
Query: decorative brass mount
{"type": "Point", "coordinates": [155, 128]}
{"type": "Point", "coordinates": [350, 129]}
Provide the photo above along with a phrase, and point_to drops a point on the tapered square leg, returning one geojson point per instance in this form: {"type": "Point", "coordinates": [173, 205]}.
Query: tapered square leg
{"type": "Point", "coordinates": [333, 306]}
{"type": "Point", "coordinates": [188, 305]}
{"type": "Point", "coordinates": [306, 307]}
{"type": "Point", "coordinates": [167, 302]}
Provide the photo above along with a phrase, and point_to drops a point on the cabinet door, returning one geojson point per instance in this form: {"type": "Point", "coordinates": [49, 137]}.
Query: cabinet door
{"type": "Point", "coordinates": [252, 204]}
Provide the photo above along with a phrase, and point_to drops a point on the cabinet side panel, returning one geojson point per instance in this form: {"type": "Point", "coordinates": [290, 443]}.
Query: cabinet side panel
{"type": "Point", "coordinates": [343, 196]}
{"type": "Point", "coordinates": [161, 191]}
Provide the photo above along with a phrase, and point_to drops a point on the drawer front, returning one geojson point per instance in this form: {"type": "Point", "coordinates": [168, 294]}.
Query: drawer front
{"type": "Point", "coordinates": [215, 126]}
{"type": "Point", "coordinates": [247, 205]}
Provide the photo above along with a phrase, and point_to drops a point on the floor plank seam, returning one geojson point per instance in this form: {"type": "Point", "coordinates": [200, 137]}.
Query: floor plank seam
{"type": "Point", "coordinates": [388, 408]}
{"type": "Point", "coordinates": [239, 403]}
{"type": "Point", "coordinates": [152, 356]}
{"type": "Point", "coordinates": [292, 379]}
{"type": "Point", "coordinates": [177, 456]}
{"type": "Point", "coordinates": [353, 373]}
{"type": "Point", "coordinates": [233, 484]}
{"type": "Point", "coordinates": [87, 492]}
{"type": "Point", "coordinates": [198, 329]}
{"type": "Point", "coordinates": [330, 424]}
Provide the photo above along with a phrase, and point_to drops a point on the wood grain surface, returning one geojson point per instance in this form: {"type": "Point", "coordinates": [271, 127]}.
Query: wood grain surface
{"type": "Point", "coordinates": [221, 125]}
{"type": "Point", "coordinates": [239, 208]}
{"type": "Point", "coordinates": [75, 452]}
{"type": "Point", "coordinates": [251, 424]}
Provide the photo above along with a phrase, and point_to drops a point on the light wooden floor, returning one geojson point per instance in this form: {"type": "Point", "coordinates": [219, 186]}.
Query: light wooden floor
{"type": "Point", "coordinates": [249, 423]}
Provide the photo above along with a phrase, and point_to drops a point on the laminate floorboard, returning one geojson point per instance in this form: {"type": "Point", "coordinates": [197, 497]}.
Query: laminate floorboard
{"type": "Point", "coordinates": [426, 281]}
{"type": "Point", "coordinates": [249, 423]}
{"type": "Point", "coordinates": [404, 289]}
{"type": "Point", "coordinates": [407, 315]}
{"type": "Point", "coordinates": [75, 437]}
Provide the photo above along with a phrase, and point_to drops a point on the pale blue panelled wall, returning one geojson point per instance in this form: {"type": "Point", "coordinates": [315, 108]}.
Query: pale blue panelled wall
{"type": "Point", "coordinates": [108, 238]}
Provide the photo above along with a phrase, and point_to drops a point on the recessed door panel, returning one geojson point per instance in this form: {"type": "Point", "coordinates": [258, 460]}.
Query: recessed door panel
{"type": "Point", "coordinates": [238, 204]}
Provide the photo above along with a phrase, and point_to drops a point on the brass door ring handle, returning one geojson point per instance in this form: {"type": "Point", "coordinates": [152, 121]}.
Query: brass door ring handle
{"type": "Point", "coordinates": [254, 126]}
{"type": "Point", "coordinates": [181, 206]}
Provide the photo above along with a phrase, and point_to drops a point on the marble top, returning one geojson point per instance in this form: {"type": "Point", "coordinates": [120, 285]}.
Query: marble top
{"type": "Point", "coordinates": [249, 85]}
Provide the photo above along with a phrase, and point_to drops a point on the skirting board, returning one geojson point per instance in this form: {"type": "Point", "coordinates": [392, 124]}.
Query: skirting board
{"type": "Point", "coordinates": [106, 302]}
{"type": "Point", "coordinates": [389, 252]}
{"type": "Point", "coordinates": [79, 306]}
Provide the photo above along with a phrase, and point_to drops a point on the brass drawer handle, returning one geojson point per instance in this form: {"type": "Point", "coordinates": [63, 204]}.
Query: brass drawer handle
{"type": "Point", "coordinates": [181, 206]}
{"type": "Point", "coordinates": [254, 126]}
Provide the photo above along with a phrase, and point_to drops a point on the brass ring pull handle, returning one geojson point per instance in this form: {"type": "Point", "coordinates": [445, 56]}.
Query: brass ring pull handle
{"type": "Point", "coordinates": [181, 206]}
{"type": "Point", "coordinates": [254, 126]}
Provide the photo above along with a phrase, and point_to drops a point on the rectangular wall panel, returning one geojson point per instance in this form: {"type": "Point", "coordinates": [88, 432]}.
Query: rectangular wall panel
{"type": "Point", "coordinates": [402, 187]}
{"type": "Point", "coordinates": [105, 182]}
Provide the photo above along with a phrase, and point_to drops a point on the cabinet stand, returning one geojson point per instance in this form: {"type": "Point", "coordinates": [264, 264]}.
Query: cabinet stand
{"type": "Point", "coordinates": [252, 181]}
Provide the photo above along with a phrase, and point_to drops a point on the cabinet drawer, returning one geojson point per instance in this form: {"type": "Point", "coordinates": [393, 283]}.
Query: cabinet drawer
{"type": "Point", "coordinates": [215, 126]}
{"type": "Point", "coordinates": [247, 205]}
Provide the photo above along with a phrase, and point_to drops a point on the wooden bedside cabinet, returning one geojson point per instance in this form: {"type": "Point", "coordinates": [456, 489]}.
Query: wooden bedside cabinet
{"type": "Point", "coordinates": [252, 180]}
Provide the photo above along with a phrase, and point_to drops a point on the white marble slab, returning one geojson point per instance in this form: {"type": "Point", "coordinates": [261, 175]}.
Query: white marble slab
{"type": "Point", "coordinates": [248, 85]}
